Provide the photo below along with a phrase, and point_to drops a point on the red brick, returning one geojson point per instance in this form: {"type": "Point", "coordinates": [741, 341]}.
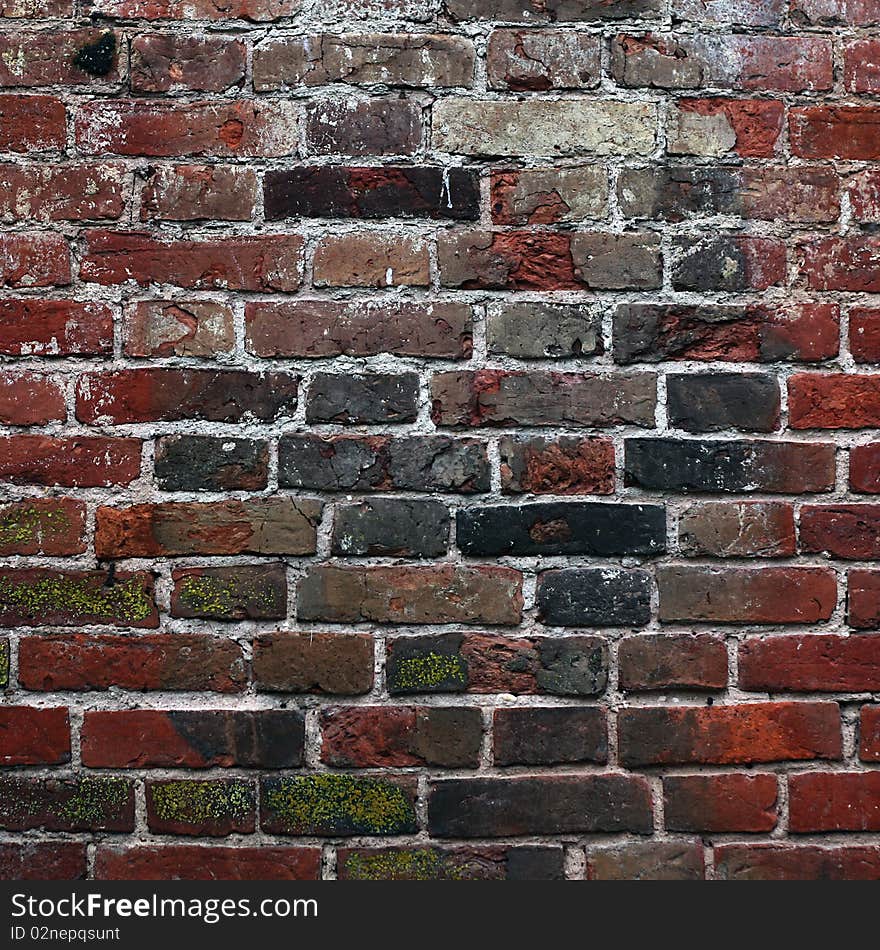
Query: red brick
{"type": "Point", "coordinates": [740, 529]}
{"type": "Point", "coordinates": [267, 262]}
{"type": "Point", "coordinates": [196, 863]}
{"type": "Point", "coordinates": [82, 192]}
{"type": "Point", "coordinates": [79, 462]}
{"type": "Point", "coordinates": [200, 192]}
{"type": "Point", "coordinates": [864, 600]}
{"type": "Point", "coordinates": [48, 58]}
{"type": "Point", "coordinates": [869, 734]}
{"type": "Point", "coordinates": [32, 123]}
{"type": "Point", "coordinates": [836, 801]}
{"type": "Point", "coordinates": [727, 735]}
{"type": "Point", "coordinates": [825, 12]}
{"type": "Point", "coordinates": [163, 62]}
{"type": "Point", "coordinates": [34, 260]}
{"type": "Point", "coordinates": [259, 11]}
{"type": "Point", "coordinates": [810, 663]}
{"type": "Point", "coordinates": [371, 260]}
{"type": "Point", "coordinates": [832, 131]}
{"type": "Point", "coordinates": [29, 399]}
{"type": "Point", "coordinates": [248, 129]}
{"type": "Point", "coordinates": [334, 663]}
{"type": "Point", "coordinates": [845, 531]}
{"type": "Point", "coordinates": [861, 70]}
{"type": "Point", "coordinates": [720, 803]}
{"type": "Point", "coordinates": [672, 661]}
{"type": "Point", "coordinates": [779, 862]}
{"type": "Point", "coordinates": [31, 736]}
{"type": "Point", "coordinates": [566, 465]}
{"type": "Point", "coordinates": [842, 263]}
{"type": "Point", "coordinates": [864, 334]}
{"type": "Point", "coordinates": [864, 468]}
{"type": "Point", "coordinates": [31, 327]}
{"type": "Point", "coordinates": [749, 128]}
{"type": "Point", "coordinates": [49, 526]}
{"type": "Point", "coordinates": [864, 195]}
{"type": "Point", "coordinates": [155, 662]}
{"type": "Point", "coordinates": [833, 401]}
{"type": "Point", "coordinates": [43, 861]}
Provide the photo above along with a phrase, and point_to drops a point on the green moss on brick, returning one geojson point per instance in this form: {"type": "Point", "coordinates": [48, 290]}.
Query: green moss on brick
{"type": "Point", "coordinates": [202, 801]}
{"type": "Point", "coordinates": [22, 525]}
{"type": "Point", "coordinates": [341, 804]}
{"type": "Point", "coordinates": [95, 800]}
{"type": "Point", "coordinates": [212, 597]}
{"type": "Point", "coordinates": [423, 864]}
{"type": "Point", "coordinates": [4, 664]}
{"type": "Point", "coordinates": [123, 601]}
{"type": "Point", "coordinates": [428, 671]}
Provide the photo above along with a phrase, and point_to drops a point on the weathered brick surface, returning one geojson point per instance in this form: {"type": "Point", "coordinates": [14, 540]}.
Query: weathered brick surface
{"type": "Point", "coordinates": [451, 422]}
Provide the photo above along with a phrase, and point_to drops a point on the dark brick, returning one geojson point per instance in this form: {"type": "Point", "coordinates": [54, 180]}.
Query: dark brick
{"type": "Point", "coordinates": [594, 597]}
{"type": "Point", "coordinates": [543, 331]}
{"type": "Point", "coordinates": [731, 263]}
{"type": "Point", "coordinates": [363, 399]}
{"type": "Point", "coordinates": [649, 861]}
{"type": "Point", "coordinates": [737, 529]}
{"type": "Point", "coordinates": [533, 736]}
{"type": "Point", "coordinates": [243, 592]}
{"type": "Point", "coordinates": [364, 127]}
{"type": "Point", "coordinates": [333, 663]}
{"type": "Point", "coordinates": [150, 862]}
{"type": "Point", "coordinates": [780, 862]}
{"type": "Point", "coordinates": [212, 808]}
{"type": "Point", "coordinates": [720, 803]}
{"type": "Point", "coordinates": [208, 463]}
{"type": "Point", "coordinates": [750, 402]}
{"type": "Point", "coordinates": [58, 804]}
{"type": "Point", "coordinates": [43, 861]}
{"type": "Point", "coordinates": [451, 864]}
{"type": "Point", "coordinates": [391, 527]}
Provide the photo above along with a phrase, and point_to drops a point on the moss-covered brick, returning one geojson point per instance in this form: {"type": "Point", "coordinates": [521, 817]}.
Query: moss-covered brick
{"type": "Point", "coordinates": [4, 663]}
{"type": "Point", "coordinates": [250, 592]}
{"type": "Point", "coordinates": [450, 864]}
{"type": "Point", "coordinates": [62, 804]}
{"type": "Point", "coordinates": [338, 805]}
{"type": "Point", "coordinates": [51, 526]}
{"type": "Point", "coordinates": [200, 807]}
{"type": "Point", "coordinates": [38, 597]}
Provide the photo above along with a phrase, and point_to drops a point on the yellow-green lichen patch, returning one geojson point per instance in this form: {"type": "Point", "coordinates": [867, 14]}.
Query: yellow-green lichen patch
{"type": "Point", "coordinates": [4, 664]}
{"type": "Point", "coordinates": [202, 802]}
{"type": "Point", "coordinates": [70, 598]}
{"type": "Point", "coordinates": [204, 595]}
{"type": "Point", "coordinates": [423, 864]}
{"type": "Point", "coordinates": [428, 671]}
{"type": "Point", "coordinates": [96, 801]}
{"type": "Point", "coordinates": [25, 525]}
{"type": "Point", "coordinates": [339, 804]}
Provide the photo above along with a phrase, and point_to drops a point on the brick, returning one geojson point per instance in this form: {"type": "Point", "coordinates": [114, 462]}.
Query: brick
{"type": "Point", "coordinates": [820, 663]}
{"type": "Point", "coordinates": [841, 263]}
{"type": "Point", "coordinates": [259, 262]}
{"type": "Point", "coordinates": [193, 862]}
{"type": "Point", "coordinates": [839, 801]}
{"type": "Point", "coordinates": [199, 192]}
{"type": "Point", "coordinates": [737, 529]}
{"type": "Point", "coordinates": [248, 129]}
{"type": "Point", "coordinates": [539, 60]}
{"type": "Point", "coordinates": [548, 195]}
{"type": "Point", "coordinates": [60, 57]}
{"type": "Point", "coordinates": [194, 739]}
{"type": "Point", "coordinates": [779, 862]}
{"type": "Point", "coordinates": [153, 395]}
{"type": "Point", "coordinates": [450, 864]}
{"type": "Point", "coordinates": [338, 805]}
{"type": "Point", "coordinates": [844, 531]}
{"type": "Point", "coordinates": [489, 663]}
{"type": "Point", "coordinates": [864, 196]}
{"type": "Point", "coordinates": [362, 399]}
{"type": "Point", "coordinates": [733, 12]}
{"type": "Point", "coordinates": [834, 131]}
{"type": "Point", "coordinates": [833, 401]}
{"type": "Point", "coordinates": [278, 525]}
{"type": "Point", "coordinates": [648, 861]}
{"type": "Point", "coordinates": [543, 331]}
{"type": "Point", "coordinates": [400, 736]}
{"type": "Point", "coordinates": [549, 736]}
{"type": "Point", "coordinates": [29, 399]}
{"type": "Point", "coordinates": [393, 191]}
{"type": "Point", "coordinates": [43, 860]}
{"type": "Point", "coordinates": [381, 463]}
{"type": "Point", "coordinates": [319, 328]}
{"type": "Point", "coordinates": [387, 59]}
{"type": "Point", "coordinates": [5, 662]}
{"type": "Point", "coordinates": [672, 661]}
{"type": "Point", "coordinates": [371, 260]}
{"type": "Point", "coordinates": [333, 663]}
{"type": "Point", "coordinates": [544, 127]}
{"type": "Point", "coordinates": [391, 527]}
{"type": "Point", "coordinates": [600, 530]}
{"type": "Point", "coordinates": [720, 803]}
{"type": "Point", "coordinates": [411, 595]}
{"type": "Point", "coordinates": [559, 804]}
{"type": "Point", "coordinates": [749, 128]}
{"type": "Point", "coordinates": [561, 11]}
{"type": "Point", "coordinates": [80, 192]}
{"type": "Point", "coordinates": [690, 61]}
{"type": "Point", "coordinates": [170, 328]}
{"type": "Point", "coordinates": [594, 597]}
{"type": "Point", "coordinates": [243, 592]}
{"type": "Point", "coordinates": [79, 662]}
{"type": "Point", "coordinates": [869, 734]}
{"type": "Point", "coordinates": [65, 598]}
{"type": "Point", "coordinates": [864, 334]}
{"type": "Point", "coordinates": [769, 595]}
{"type": "Point", "coordinates": [208, 463]}
{"type": "Point", "coordinates": [31, 327]}
{"type": "Point", "coordinates": [31, 736]}
{"type": "Point", "coordinates": [728, 263]}
{"type": "Point", "coordinates": [750, 402]}
{"type": "Point", "coordinates": [726, 466]}
{"type": "Point", "coordinates": [363, 127]}
{"type": "Point", "coordinates": [258, 11]}
{"type": "Point", "coordinates": [39, 259]}
{"type": "Point", "coordinates": [861, 72]}
{"type": "Point", "coordinates": [89, 461]}
{"type": "Point", "coordinates": [210, 808]}
{"type": "Point", "coordinates": [165, 62]}
{"type": "Point", "coordinates": [32, 123]}
{"type": "Point", "coordinates": [48, 526]}
{"type": "Point", "coordinates": [728, 735]}
{"type": "Point", "coordinates": [36, 8]}
{"type": "Point", "coordinates": [566, 465]}
{"type": "Point", "coordinates": [53, 804]}
{"type": "Point", "coordinates": [825, 12]}
{"type": "Point", "coordinates": [503, 398]}
{"type": "Point", "coordinates": [863, 600]}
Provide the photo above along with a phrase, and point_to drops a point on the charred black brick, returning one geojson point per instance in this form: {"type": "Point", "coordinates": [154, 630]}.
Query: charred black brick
{"type": "Point", "coordinates": [535, 864]}
{"type": "Point", "coordinates": [363, 399]}
{"type": "Point", "coordinates": [426, 665]}
{"type": "Point", "coordinates": [572, 666]}
{"type": "Point", "coordinates": [726, 263]}
{"type": "Point", "coordinates": [594, 597]}
{"type": "Point", "coordinates": [535, 331]}
{"type": "Point", "coordinates": [241, 592]}
{"type": "Point", "coordinates": [714, 401]}
{"type": "Point", "coordinates": [393, 191]}
{"type": "Point", "coordinates": [268, 738]}
{"type": "Point", "coordinates": [205, 463]}
{"type": "Point", "coordinates": [98, 58]}
{"type": "Point", "coordinates": [603, 530]}
{"type": "Point", "coordinates": [550, 736]}
{"type": "Point", "coordinates": [672, 193]}
{"type": "Point", "coordinates": [392, 527]}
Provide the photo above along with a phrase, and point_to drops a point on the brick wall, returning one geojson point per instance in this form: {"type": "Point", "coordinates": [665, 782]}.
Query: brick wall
{"type": "Point", "coordinates": [440, 442]}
